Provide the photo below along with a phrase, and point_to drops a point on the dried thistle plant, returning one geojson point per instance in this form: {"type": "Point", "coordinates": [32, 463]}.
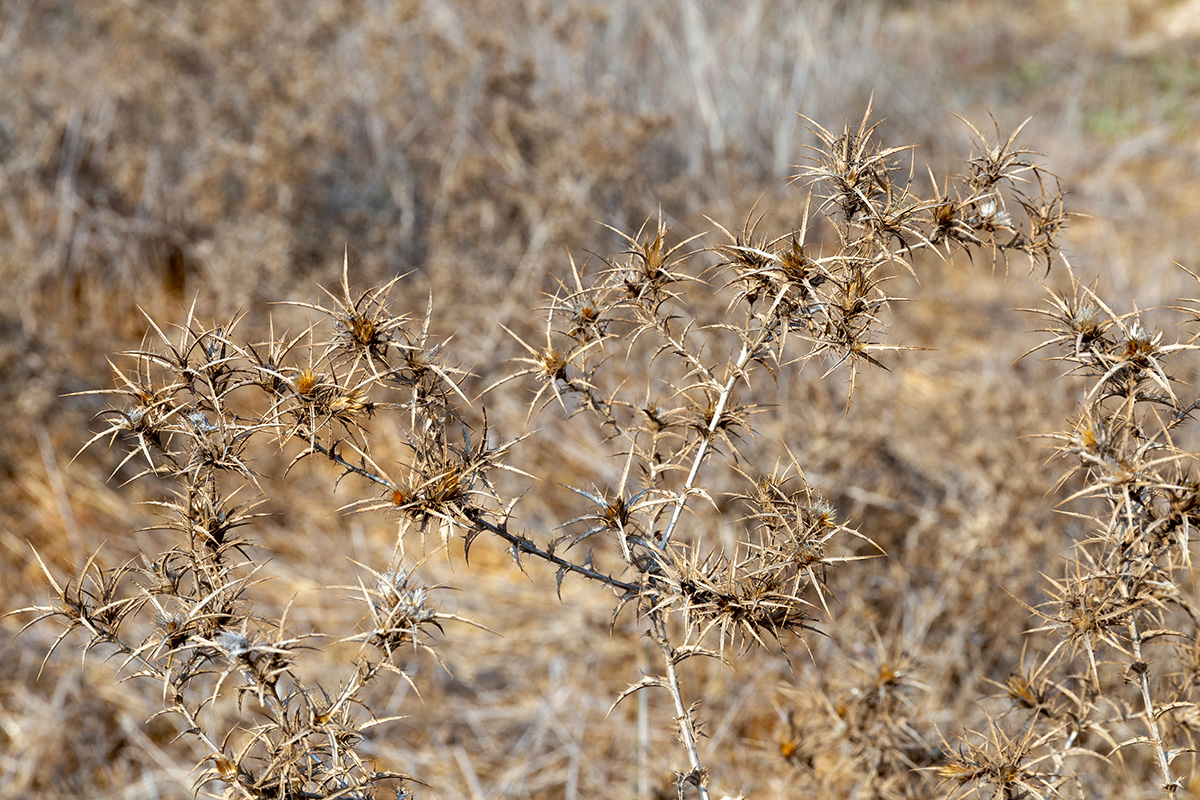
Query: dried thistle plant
{"type": "Point", "coordinates": [1117, 621]}
{"type": "Point", "coordinates": [1111, 670]}
{"type": "Point", "coordinates": [707, 330]}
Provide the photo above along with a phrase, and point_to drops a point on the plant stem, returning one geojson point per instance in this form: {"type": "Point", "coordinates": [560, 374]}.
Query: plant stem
{"type": "Point", "coordinates": [702, 450]}
{"type": "Point", "coordinates": [1170, 785]}
{"type": "Point", "coordinates": [687, 728]}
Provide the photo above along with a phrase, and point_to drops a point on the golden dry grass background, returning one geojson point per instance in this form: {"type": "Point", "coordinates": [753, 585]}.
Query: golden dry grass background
{"type": "Point", "coordinates": [156, 154]}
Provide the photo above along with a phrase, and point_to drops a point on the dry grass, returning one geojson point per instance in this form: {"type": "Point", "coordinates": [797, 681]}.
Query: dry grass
{"type": "Point", "coordinates": [164, 157]}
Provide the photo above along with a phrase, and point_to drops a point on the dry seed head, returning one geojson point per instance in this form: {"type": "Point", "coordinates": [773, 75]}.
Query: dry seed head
{"type": "Point", "coordinates": [446, 488]}
{"type": "Point", "coordinates": [552, 364]}
{"type": "Point", "coordinates": [1141, 342]}
{"type": "Point", "coordinates": [165, 576]}
{"type": "Point", "coordinates": [944, 214]}
{"type": "Point", "coordinates": [395, 593]}
{"type": "Point", "coordinates": [808, 552]}
{"type": "Point", "coordinates": [139, 421]}
{"type": "Point", "coordinates": [362, 333]}
{"type": "Point", "coordinates": [201, 423]}
{"type": "Point", "coordinates": [991, 215]}
{"type": "Point", "coordinates": [306, 382]}
{"type": "Point", "coordinates": [1089, 610]}
{"type": "Point", "coordinates": [420, 359]}
{"type": "Point", "coordinates": [424, 497]}
{"type": "Point", "coordinates": [656, 416]}
{"type": "Point", "coordinates": [1087, 321]}
{"type": "Point", "coordinates": [400, 497]}
{"type": "Point", "coordinates": [821, 515]}
{"type": "Point", "coordinates": [225, 768]}
{"type": "Point", "coordinates": [360, 330]}
{"type": "Point", "coordinates": [1086, 436]}
{"type": "Point", "coordinates": [398, 610]}
{"type": "Point", "coordinates": [797, 266]}
{"type": "Point", "coordinates": [1018, 688]}
{"type": "Point", "coordinates": [349, 403]}
{"type": "Point", "coordinates": [235, 645]}
{"type": "Point", "coordinates": [653, 254]}
{"type": "Point", "coordinates": [173, 628]}
{"type": "Point", "coordinates": [586, 317]}
{"type": "Point", "coordinates": [616, 514]}
{"type": "Point", "coordinates": [393, 581]}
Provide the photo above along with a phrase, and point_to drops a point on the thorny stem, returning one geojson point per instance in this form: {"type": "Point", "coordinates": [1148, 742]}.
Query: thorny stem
{"type": "Point", "coordinates": [528, 547]}
{"type": "Point", "coordinates": [194, 727]}
{"type": "Point", "coordinates": [1059, 762]}
{"type": "Point", "coordinates": [687, 728]}
{"type": "Point", "coordinates": [1142, 670]}
{"type": "Point", "coordinates": [702, 450]}
{"type": "Point", "coordinates": [475, 516]}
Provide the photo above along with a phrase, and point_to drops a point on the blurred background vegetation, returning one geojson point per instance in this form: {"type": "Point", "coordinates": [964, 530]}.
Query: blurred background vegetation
{"type": "Point", "coordinates": [159, 154]}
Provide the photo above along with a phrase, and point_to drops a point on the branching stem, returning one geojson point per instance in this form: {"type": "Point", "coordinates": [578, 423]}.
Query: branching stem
{"type": "Point", "coordinates": [687, 725]}
{"type": "Point", "coordinates": [1142, 670]}
{"type": "Point", "coordinates": [702, 450]}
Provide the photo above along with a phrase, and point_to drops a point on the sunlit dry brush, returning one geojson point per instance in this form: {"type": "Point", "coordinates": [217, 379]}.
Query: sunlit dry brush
{"type": "Point", "coordinates": [1116, 670]}
{"type": "Point", "coordinates": [711, 538]}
